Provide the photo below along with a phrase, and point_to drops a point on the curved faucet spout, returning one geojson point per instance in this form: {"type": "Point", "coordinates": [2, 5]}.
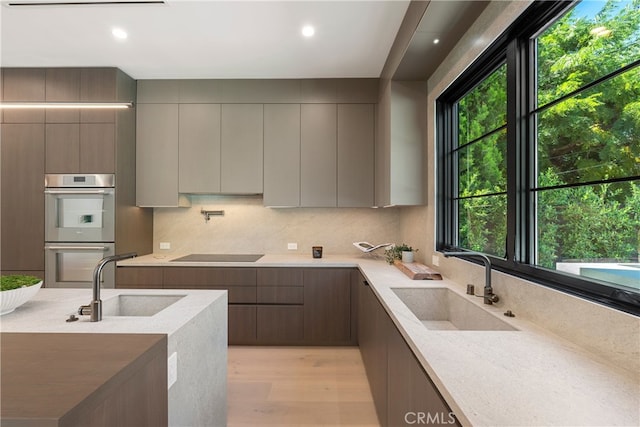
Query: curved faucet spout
{"type": "Point", "coordinates": [489, 296]}
{"type": "Point", "coordinates": [95, 307]}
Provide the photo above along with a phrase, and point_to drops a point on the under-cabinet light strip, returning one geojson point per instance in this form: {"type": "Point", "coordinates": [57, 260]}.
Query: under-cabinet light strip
{"type": "Point", "coordinates": [67, 105]}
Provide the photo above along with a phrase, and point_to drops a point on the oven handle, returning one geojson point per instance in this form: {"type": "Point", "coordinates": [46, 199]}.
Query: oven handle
{"type": "Point", "coordinates": [48, 191]}
{"type": "Point", "coordinates": [75, 248]}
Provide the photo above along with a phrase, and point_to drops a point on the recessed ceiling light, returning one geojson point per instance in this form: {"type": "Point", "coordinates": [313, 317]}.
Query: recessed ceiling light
{"type": "Point", "coordinates": [119, 33]}
{"type": "Point", "coordinates": [436, 41]}
{"type": "Point", "coordinates": [308, 31]}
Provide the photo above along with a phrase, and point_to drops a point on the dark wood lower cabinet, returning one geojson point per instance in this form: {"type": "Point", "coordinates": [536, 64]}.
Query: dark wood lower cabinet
{"type": "Point", "coordinates": [268, 305]}
{"type": "Point", "coordinates": [327, 309]}
{"type": "Point", "coordinates": [139, 277]}
{"type": "Point", "coordinates": [374, 327]}
{"type": "Point", "coordinates": [403, 393]}
{"type": "Point", "coordinates": [412, 396]}
{"type": "Point", "coordinates": [280, 324]}
{"type": "Point", "coordinates": [242, 324]}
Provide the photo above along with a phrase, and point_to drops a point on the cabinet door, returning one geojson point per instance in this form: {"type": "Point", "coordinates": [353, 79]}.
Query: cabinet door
{"type": "Point", "coordinates": [242, 324]}
{"type": "Point", "coordinates": [98, 85]}
{"type": "Point", "coordinates": [97, 148]}
{"type": "Point", "coordinates": [373, 330]}
{"type": "Point", "coordinates": [327, 306]}
{"type": "Point", "coordinates": [280, 325]}
{"type": "Point", "coordinates": [157, 155]}
{"type": "Point", "coordinates": [241, 148]}
{"type": "Point", "coordinates": [22, 204]}
{"type": "Point", "coordinates": [356, 129]}
{"type": "Point", "coordinates": [62, 148]}
{"type": "Point", "coordinates": [63, 85]}
{"type": "Point", "coordinates": [199, 148]}
{"type": "Point", "coordinates": [23, 85]}
{"type": "Point", "coordinates": [282, 155]}
{"type": "Point", "coordinates": [411, 394]}
{"type": "Point", "coordinates": [318, 153]}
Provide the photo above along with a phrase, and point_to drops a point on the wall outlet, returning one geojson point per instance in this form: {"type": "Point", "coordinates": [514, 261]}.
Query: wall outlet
{"type": "Point", "coordinates": [435, 260]}
{"type": "Point", "coordinates": [172, 369]}
{"type": "Point", "coordinates": [165, 245]}
{"type": "Point", "coordinates": [292, 246]}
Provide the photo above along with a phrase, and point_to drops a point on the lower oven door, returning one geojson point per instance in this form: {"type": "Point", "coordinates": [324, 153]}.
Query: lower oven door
{"type": "Point", "coordinates": [71, 265]}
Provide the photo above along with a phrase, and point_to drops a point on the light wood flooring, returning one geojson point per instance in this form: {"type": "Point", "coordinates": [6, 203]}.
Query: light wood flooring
{"type": "Point", "coordinates": [298, 386]}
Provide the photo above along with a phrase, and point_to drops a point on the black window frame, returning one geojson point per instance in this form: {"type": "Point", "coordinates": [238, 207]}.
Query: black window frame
{"type": "Point", "coordinates": [515, 47]}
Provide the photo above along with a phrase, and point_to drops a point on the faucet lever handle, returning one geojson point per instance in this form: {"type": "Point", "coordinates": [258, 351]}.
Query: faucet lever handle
{"type": "Point", "coordinates": [84, 310]}
{"type": "Point", "coordinates": [492, 298]}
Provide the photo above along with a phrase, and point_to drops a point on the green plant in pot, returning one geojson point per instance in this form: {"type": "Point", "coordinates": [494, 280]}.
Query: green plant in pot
{"type": "Point", "coordinates": [402, 252]}
{"type": "Point", "coordinates": [17, 289]}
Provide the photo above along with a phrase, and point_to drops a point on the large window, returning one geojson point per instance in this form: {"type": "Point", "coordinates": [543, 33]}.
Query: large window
{"type": "Point", "coordinates": [539, 151]}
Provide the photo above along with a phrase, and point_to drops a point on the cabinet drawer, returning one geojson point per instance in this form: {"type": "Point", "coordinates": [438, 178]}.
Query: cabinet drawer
{"type": "Point", "coordinates": [139, 277]}
{"type": "Point", "coordinates": [280, 295]}
{"type": "Point", "coordinates": [237, 294]}
{"type": "Point", "coordinates": [210, 276]}
{"type": "Point", "coordinates": [280, 276]}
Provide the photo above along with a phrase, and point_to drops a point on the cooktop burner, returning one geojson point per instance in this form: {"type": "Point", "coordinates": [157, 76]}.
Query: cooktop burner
{"type": "Point", "coordinates": [218, 258]}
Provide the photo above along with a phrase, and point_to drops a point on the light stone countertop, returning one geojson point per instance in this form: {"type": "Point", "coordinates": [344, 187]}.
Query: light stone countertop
{"type": "Point", "coordinates": [489, 378]}
{"type": "Point", "coordinates": [49, 309]}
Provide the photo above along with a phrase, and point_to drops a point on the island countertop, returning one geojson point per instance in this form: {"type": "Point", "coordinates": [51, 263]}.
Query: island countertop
{"type": "Point", "coordinates": [50, 308]}
{"type": "Point", "coordinates": [500, 378]}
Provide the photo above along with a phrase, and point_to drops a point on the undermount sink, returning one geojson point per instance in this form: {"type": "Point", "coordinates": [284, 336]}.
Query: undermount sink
{"type": "Point", "coordinates": [443, 309]}
{"type": "Point", "coordinates": [137, 305]}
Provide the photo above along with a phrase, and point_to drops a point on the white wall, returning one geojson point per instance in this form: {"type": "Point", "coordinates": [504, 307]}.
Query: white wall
{"type": "Point", "coordinates": [610, 333]}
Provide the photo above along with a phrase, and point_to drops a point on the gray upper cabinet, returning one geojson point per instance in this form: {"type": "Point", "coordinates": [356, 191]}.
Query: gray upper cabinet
{"type": "Point", "coordinates": [241, 148]}
{"type": "Point", "coordinates": [199, 148]}
{"type": "Point", "coordinates": [356, 140]}
{"type": "Point", "coordinates": [303, 143]}
{"type": "Point", "coordinates": [318, 136]}
{"type": "Point", "coordinates": [157, 155]}
{"type": "Point", "coordinates": [282, 155]}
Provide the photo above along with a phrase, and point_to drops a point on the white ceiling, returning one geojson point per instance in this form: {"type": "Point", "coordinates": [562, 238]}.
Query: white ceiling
{"type": "Point", "coordinates": [206, 39]}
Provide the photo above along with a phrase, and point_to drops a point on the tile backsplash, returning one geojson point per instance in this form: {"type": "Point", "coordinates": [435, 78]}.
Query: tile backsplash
{"type": "Point", "coordinates": [248, 227]}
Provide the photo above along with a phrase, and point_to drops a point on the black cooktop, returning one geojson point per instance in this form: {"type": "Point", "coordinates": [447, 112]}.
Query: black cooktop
{"type": "Point", "coordinates": [219, 258]}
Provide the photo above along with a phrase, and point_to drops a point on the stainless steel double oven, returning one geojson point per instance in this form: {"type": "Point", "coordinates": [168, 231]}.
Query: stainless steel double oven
{"type": "Point", "coordinates": [79, 228]}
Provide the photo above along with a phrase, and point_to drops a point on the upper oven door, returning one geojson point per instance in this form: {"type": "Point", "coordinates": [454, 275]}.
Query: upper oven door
{"type": "Point", "coordinates": [79, 214]}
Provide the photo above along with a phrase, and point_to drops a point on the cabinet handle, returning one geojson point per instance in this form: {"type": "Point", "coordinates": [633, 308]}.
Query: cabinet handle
{"type": "Point", "coordinates": [76, 248]}
{"type": "Point", "coordinates": [364, 282]}
{"type": "Point", "coordinates": [78, 192]}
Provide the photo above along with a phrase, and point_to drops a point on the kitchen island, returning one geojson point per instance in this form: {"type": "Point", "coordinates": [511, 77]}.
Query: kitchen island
{"type": "Point", "coordinates": [194, 322]}
{"type": "Point", "coordinates": [523, 376]}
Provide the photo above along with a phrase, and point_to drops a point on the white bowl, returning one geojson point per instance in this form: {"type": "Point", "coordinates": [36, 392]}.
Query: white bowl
{"type": "Point", "coordinates": [10, 300]}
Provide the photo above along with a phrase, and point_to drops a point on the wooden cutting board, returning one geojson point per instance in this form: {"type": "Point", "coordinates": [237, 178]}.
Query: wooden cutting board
{"type": "Point", "coordinates": [417, 271]}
